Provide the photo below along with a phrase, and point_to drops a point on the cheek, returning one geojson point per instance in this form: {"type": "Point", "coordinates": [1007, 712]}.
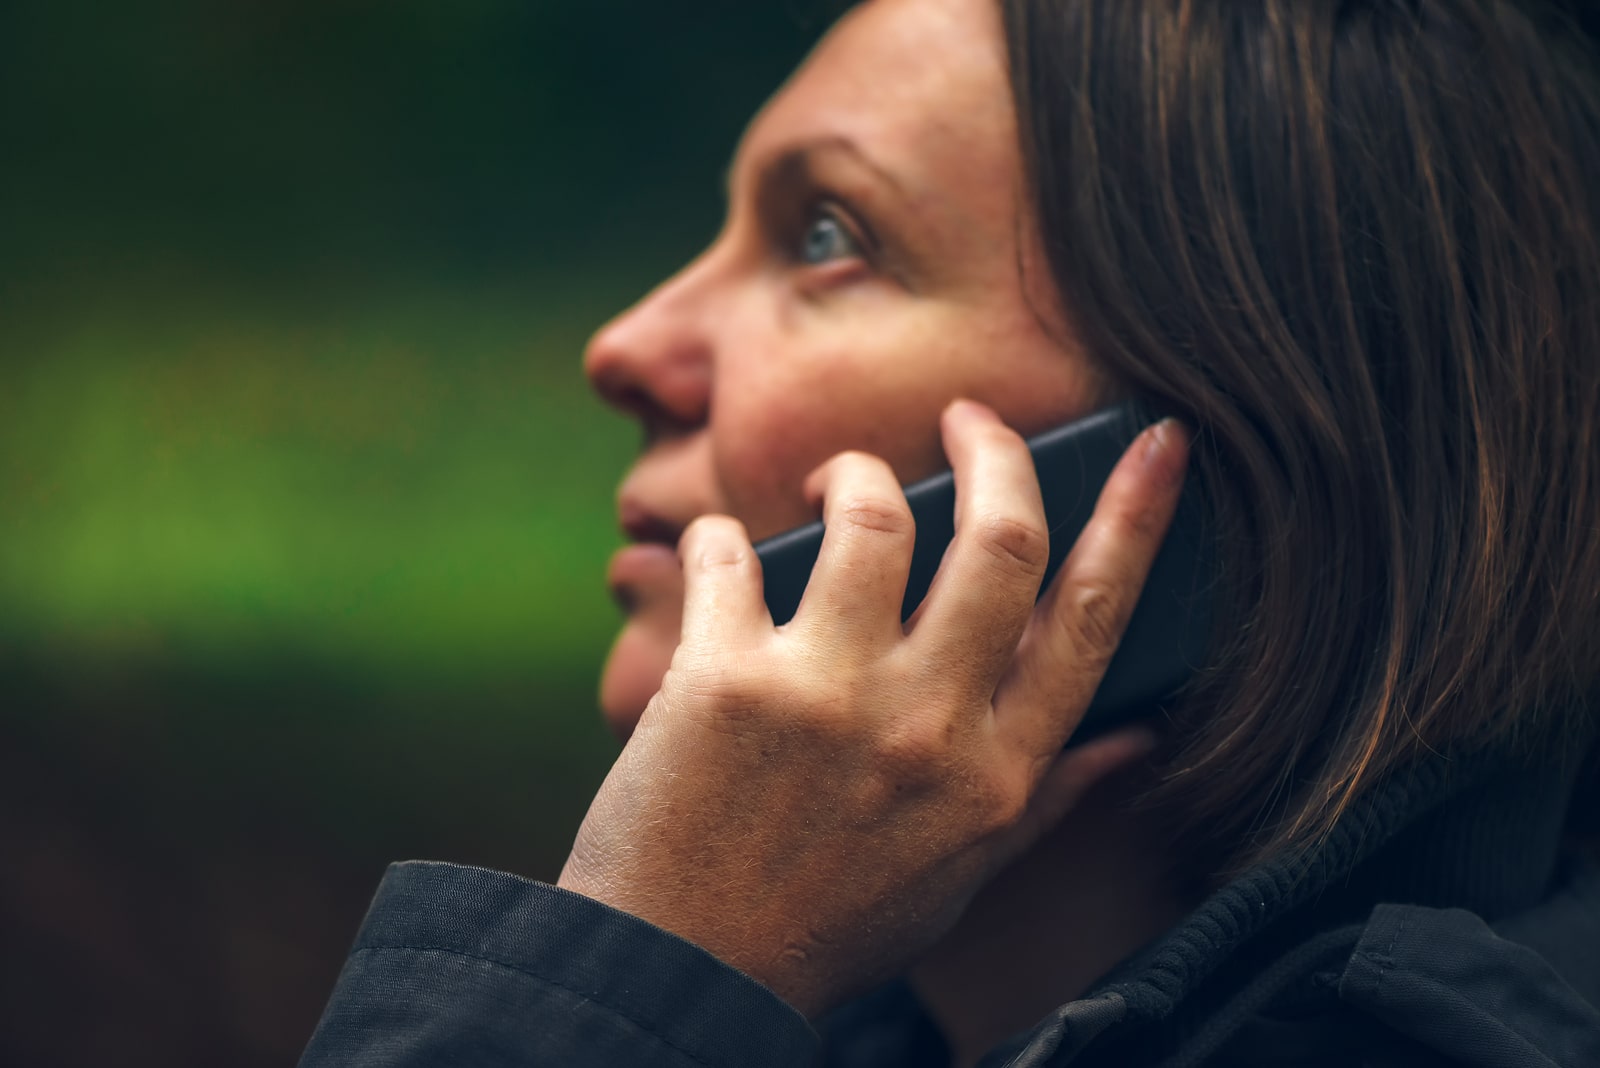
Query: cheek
{"type": "Point", "coordinates": [882, 392]}
{"type": "Point", "coordinates": [770, 433]}
{"type": "Point", "coordinates": [766, 445]}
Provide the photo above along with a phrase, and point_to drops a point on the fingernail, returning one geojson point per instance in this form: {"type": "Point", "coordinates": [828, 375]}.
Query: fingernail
{"type": "Point", "coordinates": [1167, 438]}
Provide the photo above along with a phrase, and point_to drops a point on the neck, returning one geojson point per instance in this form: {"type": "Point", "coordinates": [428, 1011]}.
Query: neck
{"type": "Point", "coordinates": [1090, 893]}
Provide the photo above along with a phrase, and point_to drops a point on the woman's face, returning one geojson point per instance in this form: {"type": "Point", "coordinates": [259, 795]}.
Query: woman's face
{"type": "Point", "coordinates": [877, 261]}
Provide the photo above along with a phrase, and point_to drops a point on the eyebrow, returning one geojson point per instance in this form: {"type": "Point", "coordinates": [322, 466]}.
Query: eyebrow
{"type": "Point", "coordinates": [797, 158]}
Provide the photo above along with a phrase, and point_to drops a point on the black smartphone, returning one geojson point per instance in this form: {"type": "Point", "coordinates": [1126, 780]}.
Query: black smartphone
{"type": "Point", "coordinates": [1167, 636]}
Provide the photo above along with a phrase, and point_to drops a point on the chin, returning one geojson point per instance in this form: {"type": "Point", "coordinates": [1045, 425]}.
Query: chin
{"type": "Point", "coordinates": [633, 673]}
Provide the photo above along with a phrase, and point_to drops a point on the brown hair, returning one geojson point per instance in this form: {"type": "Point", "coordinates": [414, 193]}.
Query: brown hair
{"type": "Point", "coordinates": [1357, 244]}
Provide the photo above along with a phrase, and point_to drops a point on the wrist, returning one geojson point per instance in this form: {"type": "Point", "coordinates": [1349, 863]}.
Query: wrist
{"type": "Point", "coordinates": [791, 968]}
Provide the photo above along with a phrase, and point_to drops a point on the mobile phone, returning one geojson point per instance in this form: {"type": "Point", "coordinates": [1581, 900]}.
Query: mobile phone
{"type": "Point", "coordinates": [1168, 634]}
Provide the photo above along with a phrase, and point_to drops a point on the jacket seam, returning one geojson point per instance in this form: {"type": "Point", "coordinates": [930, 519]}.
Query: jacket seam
{"type": "Point", "coordinates": [1386, 965]}
{"type": "Point", "coordinates": [510, 966]}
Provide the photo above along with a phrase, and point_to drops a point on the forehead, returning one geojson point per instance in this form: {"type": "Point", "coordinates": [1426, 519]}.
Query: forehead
{"type": "Point", "coordinates": [921, 85]}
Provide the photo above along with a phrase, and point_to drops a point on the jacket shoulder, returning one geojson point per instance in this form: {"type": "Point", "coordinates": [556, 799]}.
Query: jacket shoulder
{"type": "Point", "coordinates": [1520, 992]}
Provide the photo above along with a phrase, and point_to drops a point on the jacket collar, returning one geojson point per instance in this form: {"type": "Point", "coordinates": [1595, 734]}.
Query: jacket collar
{"type": "Point", "coordinates": [1478, 832]}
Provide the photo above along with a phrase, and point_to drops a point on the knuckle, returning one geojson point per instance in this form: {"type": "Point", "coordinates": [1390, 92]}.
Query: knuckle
{"type": "Point", "coordinates": [877, 514]}
{"type": "Point", "coordinates": [1007, 804]}
{"type": "Point", "coordinates": [820, 696]}
{"type": "Point", "coordinates": [712, 680]}
{"type": "Point", "coordinates": [717, 541]}
{"type": "Point", "coordinates": [725, 555]}
{"type": "Point", "coordinates": [917, 747]}
{"type": "Point", "coordinates": [1097, 618]}
{"type": "Point", "coordinates": [1018, 545]}
{"type": "Point", "coordinates": [830, 704]}
{"type": "Point", "coordinates": [1144, 523]}
{"type": "Point", "coordinates": [993, 802]}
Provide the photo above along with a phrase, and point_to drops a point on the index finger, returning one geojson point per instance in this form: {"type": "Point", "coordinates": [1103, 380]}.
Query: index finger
{"type": "Point", "coordinates": [1078, 623]}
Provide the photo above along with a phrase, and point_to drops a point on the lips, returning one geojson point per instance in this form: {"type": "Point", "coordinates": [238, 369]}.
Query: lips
{"type": "Point", "coordinates": [647, 570]}
{"type": "Point", "coordinates": [642, 525]}
{"type": "Point", "coordinates": [640, 574]}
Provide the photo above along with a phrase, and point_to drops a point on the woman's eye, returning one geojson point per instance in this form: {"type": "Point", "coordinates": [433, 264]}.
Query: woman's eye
{"type": "Point", "coordinates": [827, 239]}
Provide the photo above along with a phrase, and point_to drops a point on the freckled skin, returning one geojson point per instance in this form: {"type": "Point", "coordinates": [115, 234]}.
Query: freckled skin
{"type": "Point", "coordinates": [817, 804]}
{"type": "Point", "coordinates": [756, 369]}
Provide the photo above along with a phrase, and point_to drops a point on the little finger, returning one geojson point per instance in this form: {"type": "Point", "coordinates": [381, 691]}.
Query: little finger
{"type": "Point", "coordinates": [1079, 621]}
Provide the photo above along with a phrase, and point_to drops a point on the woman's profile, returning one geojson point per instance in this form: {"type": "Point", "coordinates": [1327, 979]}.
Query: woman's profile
{"type": "Point", "coordinates": [1354, 249]}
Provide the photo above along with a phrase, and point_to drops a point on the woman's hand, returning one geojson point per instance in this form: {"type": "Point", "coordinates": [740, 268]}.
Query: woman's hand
{"type": "Point", "coordinates": [816, 803]}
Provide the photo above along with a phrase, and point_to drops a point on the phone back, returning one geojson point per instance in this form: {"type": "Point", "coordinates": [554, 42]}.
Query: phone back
{"type": "Point", "coordinates": [1167, 637]}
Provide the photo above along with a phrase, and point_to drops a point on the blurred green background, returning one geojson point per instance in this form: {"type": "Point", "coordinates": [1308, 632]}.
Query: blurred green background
{"type": "Point", "coordinates": [304, 504]}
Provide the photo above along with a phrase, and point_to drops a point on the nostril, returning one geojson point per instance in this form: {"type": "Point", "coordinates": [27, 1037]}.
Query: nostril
{"type": "Point", "coordinates": [618, 388]}
{"type": "Point", "coordinates": [659, 424]}
{"type": "Point", "coordinates": [659, 420]}
{"type": "Point", "coordinates": [670, 402]}
{"type": "Point", "coordinates": [654, 363]}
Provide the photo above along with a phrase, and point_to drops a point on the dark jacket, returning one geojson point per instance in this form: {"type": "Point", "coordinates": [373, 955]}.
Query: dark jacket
{"type": "Point", "coordinates": [1443, 922]}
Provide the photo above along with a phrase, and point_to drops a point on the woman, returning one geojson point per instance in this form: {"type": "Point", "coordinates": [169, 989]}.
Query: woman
{"type": "Point", "coordinates": [1354, 246]}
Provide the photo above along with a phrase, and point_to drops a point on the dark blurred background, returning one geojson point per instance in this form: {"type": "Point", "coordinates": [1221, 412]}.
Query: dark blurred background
{"type": "Point", "coordinates": [304, 505]}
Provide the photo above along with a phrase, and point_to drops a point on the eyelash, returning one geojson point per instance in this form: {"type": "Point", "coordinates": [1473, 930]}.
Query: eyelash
{"type": "Point", "coordinates": [833, 209]}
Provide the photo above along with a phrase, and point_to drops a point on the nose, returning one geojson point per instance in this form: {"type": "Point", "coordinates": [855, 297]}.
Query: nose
{"type": "Point", "coordinates": [654, 361]}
